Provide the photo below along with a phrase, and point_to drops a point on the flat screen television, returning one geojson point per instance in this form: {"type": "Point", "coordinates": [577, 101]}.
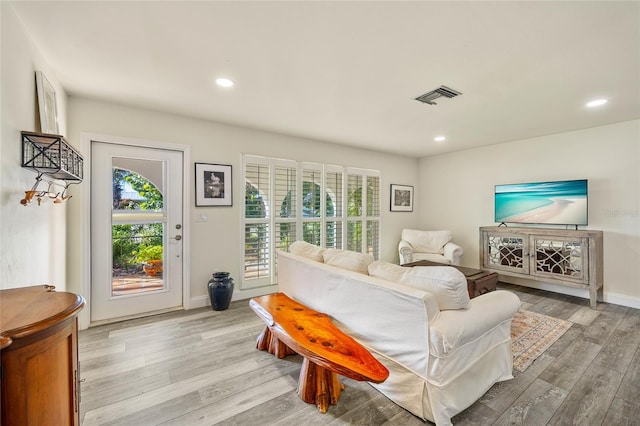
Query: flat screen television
{"type": "Point", "coordinates": [553, 203]}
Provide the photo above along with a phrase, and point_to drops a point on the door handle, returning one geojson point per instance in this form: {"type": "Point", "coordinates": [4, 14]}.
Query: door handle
{"type": "Point", "coordinates": [177, 237]}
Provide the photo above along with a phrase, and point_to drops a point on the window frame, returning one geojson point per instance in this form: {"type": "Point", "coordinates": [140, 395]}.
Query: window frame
{"type": "Point", "coordinates": [273, 218]}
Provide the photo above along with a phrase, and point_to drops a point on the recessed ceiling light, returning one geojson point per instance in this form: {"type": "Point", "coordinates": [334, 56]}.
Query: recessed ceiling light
{"type": "Point", "coordinates": [224, 82]}
{"type": "Point", "coordinates": [439, 139]}
{"type": "Point", "coordinates": [596, 102]}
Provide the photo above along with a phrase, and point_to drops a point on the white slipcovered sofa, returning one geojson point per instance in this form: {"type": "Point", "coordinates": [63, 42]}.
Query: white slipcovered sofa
{"type": "Point", "coordinates": [435, 246]}
{"type": "Point", "coordinates": [443, 351]}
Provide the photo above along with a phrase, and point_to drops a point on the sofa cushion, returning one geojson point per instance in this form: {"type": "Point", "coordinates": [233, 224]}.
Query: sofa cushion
{"type": "Point", "coordinates": [427, 241]}
{"type": "Point", "coordinates": [351, 260]}
{"type": "Point", "coordinates": [432, 257]}
{"type": "Point", "coordinates": [447, 284]}
{"type": "Point", "coordinates": [304, 249]}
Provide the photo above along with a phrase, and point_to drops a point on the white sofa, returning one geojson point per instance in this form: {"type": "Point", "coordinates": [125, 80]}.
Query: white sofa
{"type": "Point", "coordinates": [435, 246]}
{"type": "Point", "coordinates": [440, 360]}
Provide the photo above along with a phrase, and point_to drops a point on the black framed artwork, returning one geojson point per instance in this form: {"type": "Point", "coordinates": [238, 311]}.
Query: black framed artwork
{"type": "Point", "coordinates": [213, 185]}
{"type": "Point", "coordinates": [401, 198]}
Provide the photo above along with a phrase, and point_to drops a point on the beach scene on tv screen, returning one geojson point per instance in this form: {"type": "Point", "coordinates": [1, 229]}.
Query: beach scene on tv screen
{"type": "Point", "coordinates": [563, 203]}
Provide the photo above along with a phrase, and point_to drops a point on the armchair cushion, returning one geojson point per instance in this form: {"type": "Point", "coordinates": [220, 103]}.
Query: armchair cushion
{"type": "Point", "coordinates": [448, 285]}
{"type": "Point", "coordinates": [427, 241]}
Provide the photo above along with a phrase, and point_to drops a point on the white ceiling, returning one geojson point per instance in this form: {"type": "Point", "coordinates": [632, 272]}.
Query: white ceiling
{"type": "Point", "coordinates": [348, 72]}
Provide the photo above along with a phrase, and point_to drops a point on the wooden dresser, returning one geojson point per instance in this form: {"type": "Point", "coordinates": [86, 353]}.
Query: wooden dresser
{"type": "Point", "coordinates": [39, 356]}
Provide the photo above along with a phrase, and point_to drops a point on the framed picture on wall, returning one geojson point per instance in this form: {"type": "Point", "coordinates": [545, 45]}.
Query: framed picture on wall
{"type": "Point", "coordinates": [46, 105]}
{"type": "Point", "coordinates": [401, 198]}
{"type": "Point", "coordinates": [213, 185]}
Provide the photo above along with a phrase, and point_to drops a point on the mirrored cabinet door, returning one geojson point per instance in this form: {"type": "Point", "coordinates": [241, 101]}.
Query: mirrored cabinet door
{"type": "Point", "coordinates": [507, 252]}
{"type": "Point", "coordinates": [564, 257]}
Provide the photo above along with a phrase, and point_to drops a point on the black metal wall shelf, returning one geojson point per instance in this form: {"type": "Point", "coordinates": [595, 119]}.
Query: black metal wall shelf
{"type": "Point", "coordinates": [51, 155]}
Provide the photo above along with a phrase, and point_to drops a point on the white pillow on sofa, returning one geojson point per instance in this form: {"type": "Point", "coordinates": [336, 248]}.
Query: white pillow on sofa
{"type": "Point", "coordinates": [351, 260]}
{"type": "Point", "coordinates": [305, 249]}
{"type": "Point", "coordinates": [447, 284]}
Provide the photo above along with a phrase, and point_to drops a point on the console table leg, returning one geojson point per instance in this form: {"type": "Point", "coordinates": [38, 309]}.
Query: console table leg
{"type": "Point", "coordinates": [595, 296]}
{"type": "Point", "coordinates": [318, 386]}
{"type": "Point", "coordinates": [267, 341]}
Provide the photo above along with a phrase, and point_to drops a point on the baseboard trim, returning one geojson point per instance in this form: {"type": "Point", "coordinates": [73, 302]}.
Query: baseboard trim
{"type": "Point", "coordinates": [614, 298]}
{"type": "Point", "coordinates": [202, 301]}
{"type": "Point", "coordinates": [623, 300]}
{"type": "Point", "coordinates": [134, 316]}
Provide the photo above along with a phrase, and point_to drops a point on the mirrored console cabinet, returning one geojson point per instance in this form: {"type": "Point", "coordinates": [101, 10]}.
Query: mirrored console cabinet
{"type": "Point", "coordinates": [567, 257]}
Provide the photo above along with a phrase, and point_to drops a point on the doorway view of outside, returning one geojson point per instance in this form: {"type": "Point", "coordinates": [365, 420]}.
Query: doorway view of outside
{"type": "Point", "coordinates": [136, 234]}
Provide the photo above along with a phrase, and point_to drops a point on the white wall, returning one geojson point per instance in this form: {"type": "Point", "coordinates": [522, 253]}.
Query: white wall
{"type": "Point", "coordinates": [215, 244]}
{"type": "Point", "coordinates": [32, 238]}
{"type": "Point", "coordinates": [608, 156]}
{"type": "Point", "coordinates": [46, 244]}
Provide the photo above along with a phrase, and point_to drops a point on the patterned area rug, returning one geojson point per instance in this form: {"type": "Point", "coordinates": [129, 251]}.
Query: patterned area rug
{"type": "Point", "coordinates": [532, 334]}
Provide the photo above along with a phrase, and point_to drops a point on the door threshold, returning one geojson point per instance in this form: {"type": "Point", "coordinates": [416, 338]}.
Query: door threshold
{"type": "Point", "coordinates": [134, 316]}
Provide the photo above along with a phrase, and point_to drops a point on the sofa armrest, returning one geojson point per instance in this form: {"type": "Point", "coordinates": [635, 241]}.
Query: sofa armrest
{"type": "Point", "coordinates": [453, 252]}
{"type": "Point", "coordinates": [483, 314]}
{"type": "Point", "coordinates": [406, 252]}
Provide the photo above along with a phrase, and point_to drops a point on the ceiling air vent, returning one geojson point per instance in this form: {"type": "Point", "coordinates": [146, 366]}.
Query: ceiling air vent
{"type": "Point", "coordinates": [441, 91]}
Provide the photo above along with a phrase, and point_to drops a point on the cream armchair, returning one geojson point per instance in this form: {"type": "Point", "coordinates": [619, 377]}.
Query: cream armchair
{"type": "Point", "coordinates": [435, 246]}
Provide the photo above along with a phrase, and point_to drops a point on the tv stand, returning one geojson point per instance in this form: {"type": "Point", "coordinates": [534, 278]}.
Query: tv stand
{"type": "Point", "coordinates": [560, 256]}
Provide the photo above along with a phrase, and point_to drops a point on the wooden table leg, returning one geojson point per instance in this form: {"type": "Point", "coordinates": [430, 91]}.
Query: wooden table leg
{"type": "Point", "coordinates": [269, 342]}
{"type": "Point", "coordinates": [318, 385]}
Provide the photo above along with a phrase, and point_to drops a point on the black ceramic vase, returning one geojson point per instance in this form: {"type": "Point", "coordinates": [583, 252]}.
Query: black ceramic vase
{"type": "Point", "coordinates": [220, 290]}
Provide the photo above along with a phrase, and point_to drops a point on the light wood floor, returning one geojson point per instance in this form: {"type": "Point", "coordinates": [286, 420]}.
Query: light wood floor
{"type": "Point", "coordinates": [200, 367]}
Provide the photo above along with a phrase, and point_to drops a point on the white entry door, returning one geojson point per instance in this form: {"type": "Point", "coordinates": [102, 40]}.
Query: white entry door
{"type": "Point", "coordinates": [136, 230]}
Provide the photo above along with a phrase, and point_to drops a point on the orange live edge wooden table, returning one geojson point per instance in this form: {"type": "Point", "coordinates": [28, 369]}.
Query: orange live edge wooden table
{"type": "Point", "coordinates": [327, 351]}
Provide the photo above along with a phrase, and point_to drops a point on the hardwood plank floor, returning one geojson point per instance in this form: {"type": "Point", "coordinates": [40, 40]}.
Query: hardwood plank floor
{"type": "Point", "coordinates": [200, 367]}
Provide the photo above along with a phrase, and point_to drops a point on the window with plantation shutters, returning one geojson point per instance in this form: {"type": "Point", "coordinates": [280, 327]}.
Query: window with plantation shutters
{"type": "Point", "coordinates": [256, 222]}
{"type": "Point", "coordinates": [285, 206]}
{"type": "Point", "coordinates": [373, 216]}
{"type": "Point", "coordinates": [321, 204]}
{"type": "Point", "coordinates": [334, 223]}
{"type": "Point", "coordinates": [363, 212]}
{"type": "Point", "coordinates": [354, 212]}
{"type": "Point", "coordinates": [312, 205]}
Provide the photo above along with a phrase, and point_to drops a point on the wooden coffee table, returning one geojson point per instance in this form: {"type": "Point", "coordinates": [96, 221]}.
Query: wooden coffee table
{"type": "Point", "coordinates": [478, 281]}
{"type": "Point", "coordinates": [295, 328]}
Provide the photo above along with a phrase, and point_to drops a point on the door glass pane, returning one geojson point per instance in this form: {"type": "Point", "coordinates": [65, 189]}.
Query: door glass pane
{"type": "Point", "coordinates": [137, 230]}
{"type": "Point", "coordinates": [137, 258]}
